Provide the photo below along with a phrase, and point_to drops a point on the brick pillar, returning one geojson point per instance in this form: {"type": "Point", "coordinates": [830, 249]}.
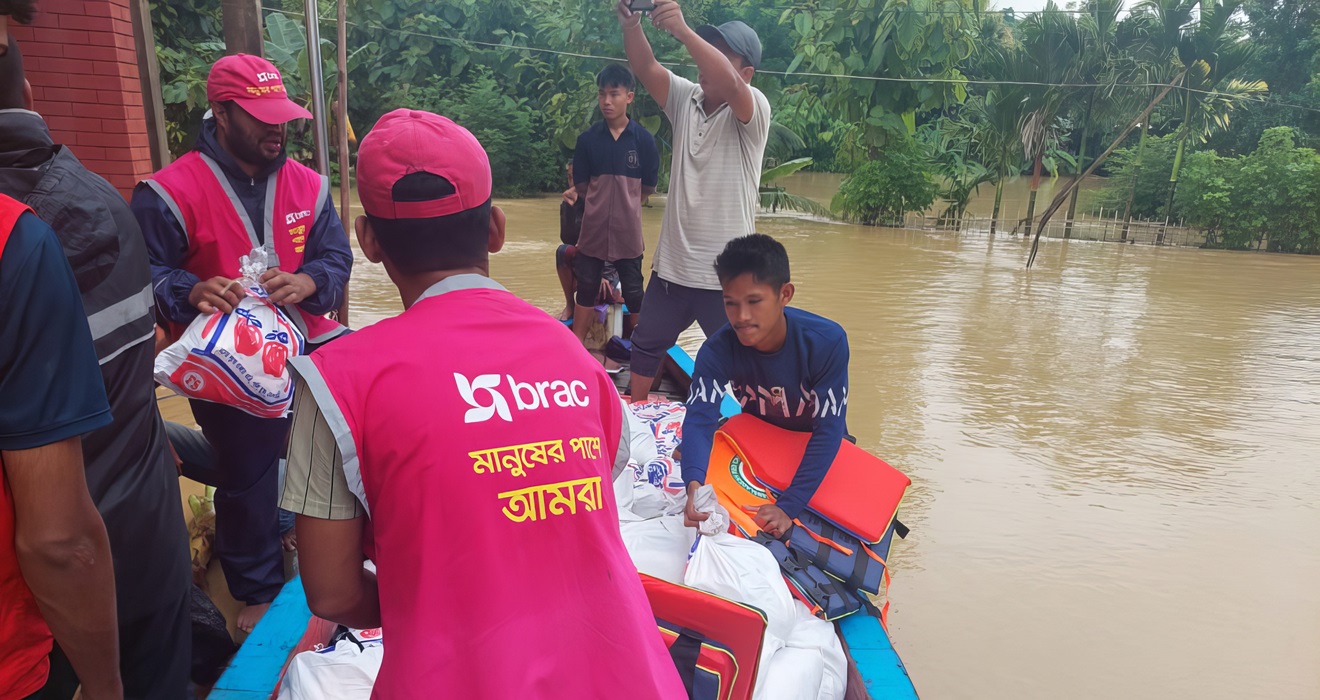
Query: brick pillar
{"type": "Point", "coordinates": [82, 63]}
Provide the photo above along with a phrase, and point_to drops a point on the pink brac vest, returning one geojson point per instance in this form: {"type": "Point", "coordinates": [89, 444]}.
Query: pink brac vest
{"type": "Point", "coordinates": [481, 438]}
{"type": "Point", "coordinates": [25, 640]}
{"type": "Point", "coordinates": [215, 222]}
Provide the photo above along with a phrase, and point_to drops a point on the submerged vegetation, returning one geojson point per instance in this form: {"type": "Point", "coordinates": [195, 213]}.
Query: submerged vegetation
{"type": "Point", "coordinates": [920, 102]}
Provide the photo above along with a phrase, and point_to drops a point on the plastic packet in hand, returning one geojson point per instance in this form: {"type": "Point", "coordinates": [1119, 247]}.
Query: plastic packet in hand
{"type": "Point", "coordinates": [237, 359]}
{"type": "Point", "coordinates": [705, 501]}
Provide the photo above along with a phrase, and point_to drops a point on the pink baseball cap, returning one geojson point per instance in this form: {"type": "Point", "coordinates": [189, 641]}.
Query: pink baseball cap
{"type": "Point", "coordinates": [253, 84]}
{"type": "Point", "coordinates": [408, 141]}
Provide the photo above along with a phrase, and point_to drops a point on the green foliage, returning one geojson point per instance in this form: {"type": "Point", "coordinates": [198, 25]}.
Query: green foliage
{"type": "Point", "coordinates": [507, 126]}
{"type": "Point", "coordinates": [481, 61]}
{"type": "Point", "coordinates": [783, 170]}
{"type": "Point", "coordinates": [888, 39]}
{"type": "Point", "coordinates": [1204, 193]}
{"type": "Point", "coordinates": [775, 198]}
{"type": "Point", "coordinates": [1151, 174]}
{"type": "Point", "coordinates": [898, 181]}
{"type": "Point", "coordinates": [962, 175]}
{"type": "Point", "coordinates": [1271, 195]}
{"type": "Point", "coordinates": [189, 39]}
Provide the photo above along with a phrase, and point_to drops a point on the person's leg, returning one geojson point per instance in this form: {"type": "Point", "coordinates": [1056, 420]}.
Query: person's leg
{"type": "Point", "coordinates": [708, 305]}
{"type": "Point", "coordinates": [197, 459]}
{"type": "Point", "coordinates": [247, 538]}
{"type": "Point", "coordinates": [587, 271]}
{"type": "Point", "coordinates": [564, 268]}
{"type": "Point", "coordinates": [634, 294]}
{"type": "Point", "coordinates": [667, 314]}
{"type": "Point", "coordinates": [155, 651]}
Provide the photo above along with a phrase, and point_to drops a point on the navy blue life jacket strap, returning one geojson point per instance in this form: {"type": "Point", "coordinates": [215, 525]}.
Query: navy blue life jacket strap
{"type": "Point", "coordinates": [684, 652]}
{"type": "Point", "coordinates": [811, 579]}
{"type": "Point", "coordinates": [900, 529]}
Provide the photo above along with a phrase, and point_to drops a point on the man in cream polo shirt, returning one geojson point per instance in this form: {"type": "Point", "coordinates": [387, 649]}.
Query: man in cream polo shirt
{"type": "Point", "coordinates": [720, 128]}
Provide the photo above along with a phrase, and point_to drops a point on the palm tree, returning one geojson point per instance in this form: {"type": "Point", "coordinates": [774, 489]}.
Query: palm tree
{"type": "Point", "coordinates": [1052, 44]}
{"type": "Point", "coordinates": [993, 123]}
{"type": "Point", "coordinates": [1152, 31]}
{"type": "Point", "coordinates": [1102, 65]}
{"type": "Point", "coordinates": [1202, 38]}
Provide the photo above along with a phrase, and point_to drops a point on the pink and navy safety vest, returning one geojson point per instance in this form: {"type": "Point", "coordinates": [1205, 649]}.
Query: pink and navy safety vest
{"type": "Point", "coordinates": [480, 437]}
{"type": "Point", "coordinates": [215, 222]}
{"type": "Point", "coordinates": [25, 640]}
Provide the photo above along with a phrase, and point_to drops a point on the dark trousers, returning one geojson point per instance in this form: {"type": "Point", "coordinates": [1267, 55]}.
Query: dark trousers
{"type": "Point", "coordinates": [155, 657]}
{"type": "Point", "coordinates": [588, 272]}
{"type": "Point", "coordinates": [670, 309]}
{"type": "Point", "coordinates": [243, 464]}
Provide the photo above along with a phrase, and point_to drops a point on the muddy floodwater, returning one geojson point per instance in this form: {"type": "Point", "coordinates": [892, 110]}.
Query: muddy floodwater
{"type": "Point", "coordinates": [1115, 456]}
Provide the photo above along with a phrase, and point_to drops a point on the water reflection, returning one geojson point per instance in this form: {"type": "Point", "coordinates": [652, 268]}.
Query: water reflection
{"type": "Point", "coordinates": [1114, 454]}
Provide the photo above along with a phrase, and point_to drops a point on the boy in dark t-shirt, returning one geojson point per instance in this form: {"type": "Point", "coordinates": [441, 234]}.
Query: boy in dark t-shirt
{"type": "Point", "coordinates": [615, 167]}
{"type": "Point", "coordinates": [784, 365]}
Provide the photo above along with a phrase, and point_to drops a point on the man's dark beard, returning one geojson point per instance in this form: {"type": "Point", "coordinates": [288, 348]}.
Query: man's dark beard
{"type": "Point", "coordinates": [21, 10]}
{"type": "Point", "coordinates": [246, 147]}
{"type": "Point", "coordinates": [249, 150]}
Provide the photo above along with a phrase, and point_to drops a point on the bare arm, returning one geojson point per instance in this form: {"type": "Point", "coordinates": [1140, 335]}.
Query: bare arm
{"type": "Point", "coordinates": [654, 77]}
{"type": "Point", "coordinates": [722, 81]}
{"type": "Point", "coordinates": [338, 588]}
{"type": "Point", "coordinates": [64, 555]}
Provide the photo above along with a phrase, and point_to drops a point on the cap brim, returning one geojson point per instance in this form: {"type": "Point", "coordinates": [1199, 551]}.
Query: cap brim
{"type": "Point", "coordinates": [270, 111]}
{"type": "Point", "coordinates": [711, 34]}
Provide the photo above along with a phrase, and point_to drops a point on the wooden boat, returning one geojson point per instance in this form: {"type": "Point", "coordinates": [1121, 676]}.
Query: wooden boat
{"type": "Point", "coordinates": [289, 627]}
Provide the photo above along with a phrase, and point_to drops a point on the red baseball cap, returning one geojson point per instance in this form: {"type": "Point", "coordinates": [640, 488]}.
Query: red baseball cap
{"type": "Point", "coordinates": [408, 141]}
{"type": "Point", "coordinates": [253, 83]}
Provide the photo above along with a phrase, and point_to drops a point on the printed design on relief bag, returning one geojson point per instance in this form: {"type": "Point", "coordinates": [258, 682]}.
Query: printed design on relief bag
{"type": "Point", "coordinates": [239, 359]}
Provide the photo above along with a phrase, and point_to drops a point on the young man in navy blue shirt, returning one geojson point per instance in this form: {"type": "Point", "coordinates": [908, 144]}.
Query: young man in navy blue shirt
{"type": "Point", "coordinates": [784, 365]}
{"type": "Point", "coordinates": [615, 167]}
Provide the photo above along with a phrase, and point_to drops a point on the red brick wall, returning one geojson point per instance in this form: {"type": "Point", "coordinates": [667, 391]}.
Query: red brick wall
{"type": "Point", "coordinates": [82, 63]}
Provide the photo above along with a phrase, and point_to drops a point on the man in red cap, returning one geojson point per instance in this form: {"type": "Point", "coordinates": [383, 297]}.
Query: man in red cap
{"type": "Point", "coordinates": [478, 437]}
{"type": "Point", "coordinates": [238, 191]}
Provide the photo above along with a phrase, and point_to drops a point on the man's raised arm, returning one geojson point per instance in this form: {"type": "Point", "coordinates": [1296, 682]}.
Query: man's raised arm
{"type": "Point", "coordinates": [654, 77]}
{"type": "Point", "coordinates": [721, 81]}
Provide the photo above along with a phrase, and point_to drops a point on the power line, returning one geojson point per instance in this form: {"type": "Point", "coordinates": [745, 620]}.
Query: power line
{"type": "Point", "coordinates": [873, 78]}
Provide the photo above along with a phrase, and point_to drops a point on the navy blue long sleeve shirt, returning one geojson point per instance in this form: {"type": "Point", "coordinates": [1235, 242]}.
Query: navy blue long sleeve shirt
{"type": "Point", "coordinates": [50, 384]}
{"type": "Point", "coordinates": [802, 387]}
{"type": "Point", "coordinates": [328, 259]}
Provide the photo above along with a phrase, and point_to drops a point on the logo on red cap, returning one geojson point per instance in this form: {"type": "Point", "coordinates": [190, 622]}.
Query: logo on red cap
{"type": "Point", "coordinates": [255, 85]}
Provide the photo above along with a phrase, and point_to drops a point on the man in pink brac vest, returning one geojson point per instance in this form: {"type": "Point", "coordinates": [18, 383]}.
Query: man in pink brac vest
{"type": "Point", "coordinates": [478, 437]}
{"type": "Point", "coordinates": [236, 191]}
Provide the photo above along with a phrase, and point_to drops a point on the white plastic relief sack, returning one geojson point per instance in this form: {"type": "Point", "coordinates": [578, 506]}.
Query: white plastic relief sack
{"type": "Point", "coordinates": [791, 674]}
{"type": "Point", "coordinates": [819, 637]}
{"type": "Point", "coordinates": [238, 359]}
{"type": "Point", "coordinates": [745, 572]}
{"type": "Point", "coordinates": [346, 671]}
{"type": "Point", "coordinates": [659, 546]}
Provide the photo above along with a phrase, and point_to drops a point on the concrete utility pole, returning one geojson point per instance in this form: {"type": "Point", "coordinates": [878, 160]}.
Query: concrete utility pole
{"type": "Point", "coordinates": [243, 27]}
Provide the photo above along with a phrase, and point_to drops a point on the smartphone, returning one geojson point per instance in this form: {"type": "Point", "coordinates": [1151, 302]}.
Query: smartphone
{"type": "Point", "coordinates": [641, 5]}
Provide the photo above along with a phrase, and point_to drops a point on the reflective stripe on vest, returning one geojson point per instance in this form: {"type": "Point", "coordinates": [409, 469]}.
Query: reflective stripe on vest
{"type": "Point", "coordinates": [115, 288]}
{"type": "Point", "coordinates": [25, 640]}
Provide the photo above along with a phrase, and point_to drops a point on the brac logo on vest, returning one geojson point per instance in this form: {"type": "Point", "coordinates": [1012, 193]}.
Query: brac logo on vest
{"type": "Point", "coordinates": [527, 396]}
